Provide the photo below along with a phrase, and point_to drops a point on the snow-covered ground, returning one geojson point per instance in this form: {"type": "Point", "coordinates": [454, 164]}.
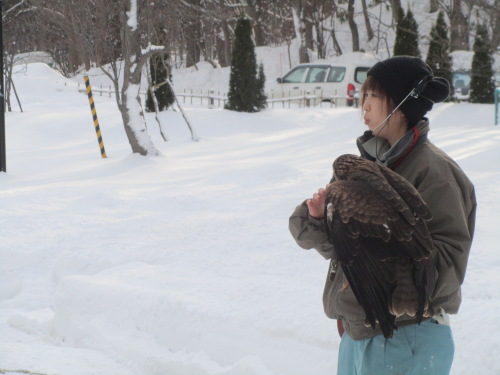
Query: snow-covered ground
{"type": "Point", "coordinates": [183, 263]}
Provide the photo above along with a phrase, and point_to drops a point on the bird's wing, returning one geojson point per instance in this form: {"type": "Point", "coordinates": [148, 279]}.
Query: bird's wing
{"type": "Point", "coordinates": [371, 280]}
{"type": "Point", "coordinates": [413, 200]}
{"type": "Point", "coordinates": [369, 230]}
{"type": "Point", "coordinates": [365, 212]}
{"type": "Point", "coordinates": [407, 192]}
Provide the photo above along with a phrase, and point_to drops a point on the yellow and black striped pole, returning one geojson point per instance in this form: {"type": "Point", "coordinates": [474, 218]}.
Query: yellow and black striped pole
{"type": "Point", "coordinates": [94, 115]}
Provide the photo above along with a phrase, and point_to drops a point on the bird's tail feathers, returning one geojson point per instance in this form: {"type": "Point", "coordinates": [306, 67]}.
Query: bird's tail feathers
{"type": "Point", "coordinates": [372, 297]}
{"type": "Point", "coordinates": [404, 298]}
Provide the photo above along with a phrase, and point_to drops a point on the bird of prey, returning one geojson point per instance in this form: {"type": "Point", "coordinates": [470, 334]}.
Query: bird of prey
{"type": "Point", "coordinates": [376, 221]}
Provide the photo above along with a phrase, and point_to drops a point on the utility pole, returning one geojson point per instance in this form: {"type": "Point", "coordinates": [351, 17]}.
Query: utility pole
{"type": "Point", "coordinates": [3, 159]}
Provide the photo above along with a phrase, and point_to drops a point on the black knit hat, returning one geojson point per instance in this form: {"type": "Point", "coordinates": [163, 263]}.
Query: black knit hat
{"type": "Point", "coordinates": [399, 75]}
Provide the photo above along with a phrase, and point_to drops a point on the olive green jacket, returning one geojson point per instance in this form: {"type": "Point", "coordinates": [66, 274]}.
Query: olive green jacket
{"type": "Point", "coordinates": [451, 198]}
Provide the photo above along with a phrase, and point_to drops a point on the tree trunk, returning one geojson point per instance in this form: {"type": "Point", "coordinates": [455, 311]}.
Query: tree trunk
{"type": "Point", "coordinates": [395, 5]}
{"type": "Point", "coordinates": [131, 109]}
{"type": "Point", "coordinates": [227, 43]}
{"type": "Point", "coordinates": [320, 41]}
{"type": "Point", "coordinates": [192, 46]}
{"type": "Point", "coordinates": [9, 64]}
{"type": "Point", "coordinates": [73, 55]}
{"type": "Point", "coordinates": [253, 12]}
{"type": "Point", "coordinates": [193, 37]}
{"type": "Point", "coordinates": [459, 28]}
{"type": "Point", "coordinates": [433, 6]}
{"type": "Point", "coordinates": [300, 30]}
{"type": "Point", "coordinates": [307, 19]}
{"type": "Point", "coordinates": [336, 45]}
{"type": "Point", "coordinates": [369, 31]}
{"type": "Point", "coordinates": [309, 34]}
{"type": "Point", "coordinates": [495, 39]}
{"type": "Point", "coordinates": [335, 42]}
{"type": "Point", "coordinates": [220, 46]}
{"type": "Point", "coordinates": [353, 26]}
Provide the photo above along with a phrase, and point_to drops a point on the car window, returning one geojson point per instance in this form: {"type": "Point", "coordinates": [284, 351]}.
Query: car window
{"type": "Point", "coordinates": [295, 76]}
{"type": "Point", "coordinates": [461, 79]}
{"type": "Point", "coordinates": [360, 74]}
{"type": "Point", "coordinates": [316, 74]}
{"type": "Point", "coordinates": [336, 74]}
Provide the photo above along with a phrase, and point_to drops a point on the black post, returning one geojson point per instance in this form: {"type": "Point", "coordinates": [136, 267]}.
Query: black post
{"type": "Point", "coordinates": [3, 158]}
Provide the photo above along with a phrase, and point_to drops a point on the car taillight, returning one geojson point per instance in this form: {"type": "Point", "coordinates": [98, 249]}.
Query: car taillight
{"type": "Point", "coordinates": [351, 90]}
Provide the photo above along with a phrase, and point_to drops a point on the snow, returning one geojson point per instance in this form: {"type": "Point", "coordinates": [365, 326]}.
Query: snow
{"type": "Point", "coordinates": [132, 15]}
{"type": "Point", "coordinates": [183, 263]}
{"type": "Point", "coordinates": [136, 121]}
{"type": "Point", "coordinates": [151, 47]}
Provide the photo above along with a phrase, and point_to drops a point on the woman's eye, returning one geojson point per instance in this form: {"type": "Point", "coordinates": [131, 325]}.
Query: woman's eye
{"type": "Point", "coordinates": [371, 94]}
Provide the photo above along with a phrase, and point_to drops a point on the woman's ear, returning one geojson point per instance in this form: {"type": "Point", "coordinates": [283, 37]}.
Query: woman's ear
{"type": "Point", "coordinates": [401, 117]}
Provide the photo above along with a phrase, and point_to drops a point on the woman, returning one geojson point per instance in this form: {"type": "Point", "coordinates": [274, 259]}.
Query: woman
{"type": "Point", "coordinates": [396, 96]}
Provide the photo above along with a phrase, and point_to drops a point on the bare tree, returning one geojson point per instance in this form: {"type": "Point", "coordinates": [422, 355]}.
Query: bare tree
{"type": "Point", "coordinates": [207, 29]}
{"type": "Point", "coordinates": [459, 27]}
{"type": "Point", "coordinates": [80, 33]}
{"type": "Point", "coordinates": [338, 14]}
{"type": "Point", "coordinates": [135, 56]}
{"type": "Point", "coordinates": [353, 26]}
{"type": "Point", "coordinates": [10, 34]}
{"type": "Point", "coordinates": [255, 12]}
{"type": "Point", "coordinates": [277, 21]}
{"type": "Point", "coordinates": [369, 31]}
{"type": "Point", "coordinates": [298, 11]}
{"type": "Point", "coordinates": [494, 11]}
{"type": "Point", "coordinates": [16, 15]}
{"type": "Point", "coordinates": [458, 12]}
{"type": "Point", "coordinates": [395, 5]}
{"type": "Point", "coordinates": [317, 13]}
{"type": "Point", "coordinates": [224, 45]}
{"type": "Point", "coordinates": [192, 33]}
{"type": "Point", "coordinates": [117, 37]}
{"type": "Point", "coordinates": [433, 6]}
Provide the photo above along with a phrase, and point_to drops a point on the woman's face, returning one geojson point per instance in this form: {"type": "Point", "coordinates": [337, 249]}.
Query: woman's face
{"type": "Point", "coordinates": [375, 111]}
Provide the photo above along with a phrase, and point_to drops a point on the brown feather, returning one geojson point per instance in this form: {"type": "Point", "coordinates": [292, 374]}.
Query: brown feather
{"type": "Point", "coordinates": [377, 225]}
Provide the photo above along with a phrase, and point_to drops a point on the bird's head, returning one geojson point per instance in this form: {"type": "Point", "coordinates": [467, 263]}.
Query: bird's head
{"type": "Point", "coordinates": [344, 164]}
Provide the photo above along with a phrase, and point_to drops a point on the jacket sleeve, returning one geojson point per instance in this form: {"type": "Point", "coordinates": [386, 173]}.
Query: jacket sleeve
{"type": "Point", "coordinates": [453, 210]}
{"type": "Point", "coordinates": [309, 233]}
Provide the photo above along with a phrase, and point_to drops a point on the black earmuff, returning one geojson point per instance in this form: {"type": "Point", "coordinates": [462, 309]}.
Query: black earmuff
{"type": "Point", "coordinates": [420, 87]}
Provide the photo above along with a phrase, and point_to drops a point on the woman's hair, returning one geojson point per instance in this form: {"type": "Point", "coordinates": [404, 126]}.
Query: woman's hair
{"type": "Point", "coordinates": [372, 84]}
{"type": "Point", "coordinates": [400, 75]}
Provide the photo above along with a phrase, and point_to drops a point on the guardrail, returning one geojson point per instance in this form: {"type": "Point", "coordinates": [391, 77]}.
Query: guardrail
{"type": "Point", "coordinates": [100, 90]}
{"type": "Point", "coordinates": [306, 99]}
{"type": "Point", "coordinates": [497, 96]}
{"type": "Point", "coordinates": [212, 98]}
{"type": "Point", "coordinates": [217, 99]}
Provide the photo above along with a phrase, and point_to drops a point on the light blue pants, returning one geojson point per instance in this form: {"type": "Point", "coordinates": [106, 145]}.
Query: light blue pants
{"type": "Point", "coordinates": [427, 349]}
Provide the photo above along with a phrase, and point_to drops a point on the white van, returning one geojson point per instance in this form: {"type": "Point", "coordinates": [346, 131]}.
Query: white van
{"type": "Point", "coordinates": [313, 83]}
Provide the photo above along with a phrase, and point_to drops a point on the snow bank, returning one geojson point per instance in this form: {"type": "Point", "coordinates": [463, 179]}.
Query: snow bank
{"type": "Point", "coordinates": [183, 263]}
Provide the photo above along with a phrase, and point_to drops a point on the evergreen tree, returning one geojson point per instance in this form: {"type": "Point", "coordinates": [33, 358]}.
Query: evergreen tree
{"type": "Point", "coordinates": [400, 27]}
{"type": "Point", "coordinates": [481, 83]}
{"type": "Point", "coordinates": [406, 35]}
{"type": "Point", "coordinates": [160, 71]}
{"type": "Point", "coordinates": [438, 57]}
{"type": "Point", "coordinates": [246, 88]}
{"type": "Point", "coordinates": [261, 101]}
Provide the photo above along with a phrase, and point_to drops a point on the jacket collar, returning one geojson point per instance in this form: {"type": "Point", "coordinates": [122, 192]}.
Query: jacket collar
{"type": "Point", "coordinates": [378, 149]}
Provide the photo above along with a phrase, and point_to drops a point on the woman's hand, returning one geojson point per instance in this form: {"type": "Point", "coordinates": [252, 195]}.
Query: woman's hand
{"type": "Point", "coordinates": [316, 204]}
